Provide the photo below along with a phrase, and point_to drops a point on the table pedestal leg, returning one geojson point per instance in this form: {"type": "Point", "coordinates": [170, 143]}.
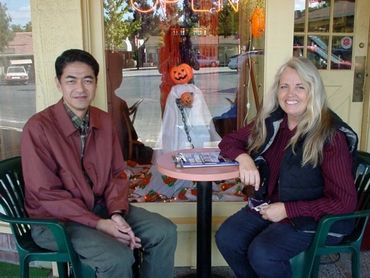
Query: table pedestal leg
{"type": "Point", "coordinates": [204, 231]}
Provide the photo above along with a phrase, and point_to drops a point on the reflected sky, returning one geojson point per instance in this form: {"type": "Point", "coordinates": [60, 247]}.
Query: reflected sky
{"type": "Point", "coordinates": [18, 10]}
{"type": "Point", "coordinates": [299, 5]}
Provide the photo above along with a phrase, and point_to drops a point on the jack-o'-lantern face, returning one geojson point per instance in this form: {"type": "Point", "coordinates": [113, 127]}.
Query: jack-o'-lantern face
{"type": "Point", "coordinates": [181, 74]}
{"type": "Point", "coordinates": [186, 99]}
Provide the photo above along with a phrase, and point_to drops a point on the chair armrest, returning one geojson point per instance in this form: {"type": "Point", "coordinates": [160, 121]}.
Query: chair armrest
{"type": "Point", "coordinates": [55, 226]}
{"type": "Point", "coordinates": [327, 221]}
{"type": "Point", "coordinates": [28, 221]}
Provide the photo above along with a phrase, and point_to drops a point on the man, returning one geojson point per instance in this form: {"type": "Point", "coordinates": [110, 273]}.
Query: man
{"type": "Point", "coordinates": [74, 171]}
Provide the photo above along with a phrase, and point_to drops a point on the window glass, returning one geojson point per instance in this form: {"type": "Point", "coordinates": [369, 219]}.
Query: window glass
{"type": "Point", "coordinates": [341, 57]}
{"type": "Point", "coordinates": [317, 51]}
{"type": "Point", "coordinates": [298, 46]}
{"type": "Point", "coordinates": [299, 16]}
{"type": "Point", "coordinates": [197, 67]}
{"type": "Point", "coordinates": [17, 74]}
{"type": "Point", "coordinates": [318, 15]}
{"type": "Point", "coordinates": [158, 35]}
{"type": "Point", "coordinates": [327, 49]}
{"type": "Point", "coordinates": [344, 12]}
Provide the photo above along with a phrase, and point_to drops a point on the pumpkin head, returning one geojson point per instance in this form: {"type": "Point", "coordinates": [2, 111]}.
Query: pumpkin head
{"type": "Point", "coordinates": [181, 74]}
{"type": "Point", "coordinates": [186, 99]}
{"type": "Point", "coordinates": [258, 22]}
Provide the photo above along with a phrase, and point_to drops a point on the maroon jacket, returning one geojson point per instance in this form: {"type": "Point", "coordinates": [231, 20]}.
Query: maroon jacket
{"type": "Point", "coordinates": [55, 186]}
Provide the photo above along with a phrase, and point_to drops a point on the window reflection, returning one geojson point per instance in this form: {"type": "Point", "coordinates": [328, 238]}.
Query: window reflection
{"type": "Point", "coordinates": [318, 16]}
{"type": "Point", "coordinates": [298, 46]}
{"type": "Point", "coordinates": [319, 40]}
{"type": "Point", "coordinates": [189, 32]}
{"type": "Point", "coordinates": [341, 52]}
{"type": "Point", "coordinates": [317, 51]}
{"type": "Point", "coordinates": [299, 16]}
{"type": "Point", "coordinates": [344, 12]}
{"type": "Point", "coordinates": [17, 74]}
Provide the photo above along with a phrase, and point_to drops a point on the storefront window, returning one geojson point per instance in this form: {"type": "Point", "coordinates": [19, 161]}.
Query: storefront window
{"type": "Point", "coordinates": [206, 53]}
{"type": "Point", "coordinates": [327, 36]}
{"type": "Point", "coordinates": [212, 37]}
{"type": "Point", "coordinates": [17, 88]}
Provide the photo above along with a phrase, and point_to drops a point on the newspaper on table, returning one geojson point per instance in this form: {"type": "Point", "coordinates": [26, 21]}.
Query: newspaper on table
{"type": "Point", "coordinates": [201, 159]}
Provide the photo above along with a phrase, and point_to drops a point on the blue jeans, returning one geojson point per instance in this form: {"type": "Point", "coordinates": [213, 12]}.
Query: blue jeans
{"type": "Point", "coordinates": [254, 247]}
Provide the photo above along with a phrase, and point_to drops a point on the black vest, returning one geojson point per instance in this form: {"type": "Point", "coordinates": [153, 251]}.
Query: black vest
{"type": "Point", "coordinates": [297, 182]}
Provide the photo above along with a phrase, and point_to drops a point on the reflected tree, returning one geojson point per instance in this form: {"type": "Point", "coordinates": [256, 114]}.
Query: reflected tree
{"type": "Point", "coordinates": [118, 23]}
{"type": "Point", "coordinates": [228, 21]}
{"type": "Point", "coordinates": [6, 33]}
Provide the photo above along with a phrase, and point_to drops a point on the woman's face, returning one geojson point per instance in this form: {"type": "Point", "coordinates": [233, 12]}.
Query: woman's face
{"type": "Point", "coordinates": [292, 96]}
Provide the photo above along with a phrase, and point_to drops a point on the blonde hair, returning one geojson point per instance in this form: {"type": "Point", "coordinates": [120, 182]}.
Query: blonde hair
{"type": "Point", "coordinates": [315, 126]}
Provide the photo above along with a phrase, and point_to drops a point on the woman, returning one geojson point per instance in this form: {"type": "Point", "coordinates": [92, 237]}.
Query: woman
{"type": "Point", "coordinates": [307, 155]}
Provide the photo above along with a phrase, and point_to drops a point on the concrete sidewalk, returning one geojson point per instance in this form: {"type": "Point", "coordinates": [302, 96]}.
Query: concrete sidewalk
{"type": "Point", "coordinates": [328, 269]}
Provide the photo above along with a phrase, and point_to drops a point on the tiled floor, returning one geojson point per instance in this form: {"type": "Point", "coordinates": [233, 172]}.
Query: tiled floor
{"type": "Point", "coordinates": [340, 269]}
{"type": "Point", "coordinates": [343, 267]}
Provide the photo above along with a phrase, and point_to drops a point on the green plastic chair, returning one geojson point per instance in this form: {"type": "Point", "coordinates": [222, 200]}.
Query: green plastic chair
{"type": "Point", "coordinates": [307, 263]}
{"type": "Point", "coordinates": [12, 203]}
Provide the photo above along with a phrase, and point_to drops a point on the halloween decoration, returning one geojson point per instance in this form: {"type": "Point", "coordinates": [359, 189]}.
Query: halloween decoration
{"type": "Point", "coordinates": [258, 22]}
{"type": "Point", "coordinates": [169, 56]}
{"type": "Point", "coordinates": [166, 189]}
{"type": "Point", "coordinates": [181, 74]}
{"type": "Point", "coordinates": [186, 99]}
{"type": "Point", "coordinates": [183, 126]}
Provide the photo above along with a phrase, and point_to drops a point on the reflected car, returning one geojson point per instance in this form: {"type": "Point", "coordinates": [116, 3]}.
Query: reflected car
{"type": "Point", "coordinates": [317, 52]}
{"type": "Point", "coordinates": [320, 57]}
{"type": "Point", "coordinates": [205, 61]}
{"type": "Point", "coordinates": [237, 60]}
{"type": "Point", "coordinates": [16, 75]}
{"type": "Point", "coordinates": [233, 62]}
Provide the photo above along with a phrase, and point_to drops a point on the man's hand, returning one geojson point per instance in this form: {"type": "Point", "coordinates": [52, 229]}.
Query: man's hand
{"type": "Point", "coordinates": [274, 212]}
{"type": "Point", "coordinates": [125, 228]}
{"type": "Point", "coordinates": [118, 228]}
{"type": "Point", "coordinates": [248, 171]}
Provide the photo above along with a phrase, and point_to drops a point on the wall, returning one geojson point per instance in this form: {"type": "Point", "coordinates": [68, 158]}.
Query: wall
{"type": "Point", "coordinates": [278, 37]}
{"type": "Point", "coordinates": [60, 25]}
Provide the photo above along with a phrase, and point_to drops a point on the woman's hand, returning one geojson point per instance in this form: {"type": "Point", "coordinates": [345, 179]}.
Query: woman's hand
{"type": "Point", "coordinates": [248, 171]}
{"type": "Point", "coordinates": [274, 212]}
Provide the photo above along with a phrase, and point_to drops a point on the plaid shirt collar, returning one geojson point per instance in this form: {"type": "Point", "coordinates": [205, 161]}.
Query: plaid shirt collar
{"type": "Point", "coordinates": [81, 124]}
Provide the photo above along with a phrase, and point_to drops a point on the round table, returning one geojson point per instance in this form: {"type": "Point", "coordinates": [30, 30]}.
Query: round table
{"type": "Point", "coordinates": [204, 177]}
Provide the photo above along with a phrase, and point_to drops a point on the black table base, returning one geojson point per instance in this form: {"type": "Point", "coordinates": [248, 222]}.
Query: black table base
{"type": "Point", "coordinates": [204, 230]}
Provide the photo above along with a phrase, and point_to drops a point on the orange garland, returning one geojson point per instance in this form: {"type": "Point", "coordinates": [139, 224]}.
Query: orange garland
{"type": "Point", "coordinates": [169, 56]}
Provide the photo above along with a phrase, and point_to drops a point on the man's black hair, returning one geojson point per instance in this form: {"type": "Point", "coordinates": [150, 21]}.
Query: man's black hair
{"type": "Point", "coordinates": [75, 55]}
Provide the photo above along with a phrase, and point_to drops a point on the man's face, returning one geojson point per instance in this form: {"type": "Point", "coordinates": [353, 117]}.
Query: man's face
{"type": "Point", "coordinates": [78, 86]}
